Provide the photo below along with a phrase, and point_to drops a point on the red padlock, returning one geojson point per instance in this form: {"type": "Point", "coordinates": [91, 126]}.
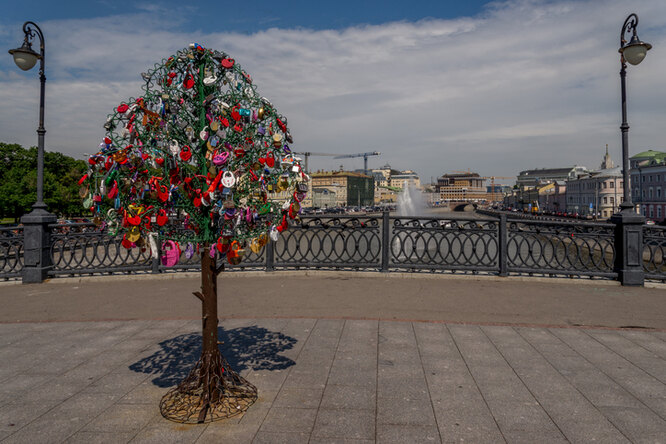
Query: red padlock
{"type": "Point", "coordinates": [188, 82]}
{"type": "Point", "coordinates": [185, 153]}
{"type": "Point", "coordinates": [161, 218]}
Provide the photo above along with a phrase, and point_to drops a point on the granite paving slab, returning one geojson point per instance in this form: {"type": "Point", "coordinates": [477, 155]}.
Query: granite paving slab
{"type": "Point", "coordinates": [336, 381]}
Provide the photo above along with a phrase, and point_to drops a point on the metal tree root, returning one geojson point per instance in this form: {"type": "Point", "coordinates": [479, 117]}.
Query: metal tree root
{"type": "Point", "coordinates": [212, 391]}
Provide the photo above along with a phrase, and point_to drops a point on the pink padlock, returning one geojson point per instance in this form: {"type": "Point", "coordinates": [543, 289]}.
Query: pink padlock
{"type": "Point", "coordinates": [220, 159]}
{"type": "Point", "coordinates": [170, 253]}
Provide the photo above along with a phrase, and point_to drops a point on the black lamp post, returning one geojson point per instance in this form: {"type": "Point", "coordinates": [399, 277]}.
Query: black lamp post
{"type": "Point", "coordinates": [628, 224]}
{"type": "Point", "coordinates": [633, 52]}
{"type": "Point", "coordinates": [25, 58]}
{"type": "Point", "coordinates": [37, 260]}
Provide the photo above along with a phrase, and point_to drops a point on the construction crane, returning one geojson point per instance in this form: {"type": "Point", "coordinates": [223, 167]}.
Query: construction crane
{"type": "Point", "coordinates": [307, 155]}
{"type": "Point", "coordinates": [492, 184]}
{"type": "Point", "coordinates": [363, 155]}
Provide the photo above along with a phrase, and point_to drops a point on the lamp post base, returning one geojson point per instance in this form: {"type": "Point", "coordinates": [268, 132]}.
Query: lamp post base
{"type": "Point", "coordinates": [37, 244]}
{"type": "Point", "coordinates": [629, 245]}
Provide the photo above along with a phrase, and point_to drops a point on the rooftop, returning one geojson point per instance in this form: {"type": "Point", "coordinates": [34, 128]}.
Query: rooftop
{"type": "Point", "coordinates": [649, 154]}
{"type": "Point", "coordinates": [338, 174]}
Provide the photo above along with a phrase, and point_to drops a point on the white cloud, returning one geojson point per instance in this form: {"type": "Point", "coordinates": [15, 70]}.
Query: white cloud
{"type": "Point", "coordinates": [526, 84]}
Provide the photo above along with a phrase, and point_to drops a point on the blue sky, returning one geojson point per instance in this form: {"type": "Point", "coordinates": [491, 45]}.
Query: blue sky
{"type": "Point", "coordinates": [250, 16]}
{"type": "Point", "coordinates": [435, 86]}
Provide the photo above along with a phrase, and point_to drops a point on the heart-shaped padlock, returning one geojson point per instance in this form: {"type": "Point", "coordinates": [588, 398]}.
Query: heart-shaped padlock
{"type": "Point", "coordinates": [185, 153]}
{"type": "Point", "coordinates": [228, 179]}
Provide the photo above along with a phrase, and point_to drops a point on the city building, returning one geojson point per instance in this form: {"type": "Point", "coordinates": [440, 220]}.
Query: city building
{"type": "Point", "coordinates": [552, 197]}
{"type": "Point", "coordinates": [531, 191]}
{"type": "Point", "coordinates": [386, 173]}
{"type": "Point", "coordinates": [386, 194]}
{"type": "Point", "coordinates": [389, 182]}
{"type": "Point", "coordinates": [405, 179]}
{"type": "Point", "coordinates": [598, 193]}
{"type": "Point", "coordinates": [531, 178]}
{"type": "Point", "coordinates": [648, 183]}
{"type": "Point", "coordinates": [349, 189]}
{"type": "Point", "coordinates": [463, 186]}
{"type": "Point", "coordinates": [325, 197]}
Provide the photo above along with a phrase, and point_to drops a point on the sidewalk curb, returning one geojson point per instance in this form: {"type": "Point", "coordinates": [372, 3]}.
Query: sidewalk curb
{"type": "Point", "coordinates": [346, 275]}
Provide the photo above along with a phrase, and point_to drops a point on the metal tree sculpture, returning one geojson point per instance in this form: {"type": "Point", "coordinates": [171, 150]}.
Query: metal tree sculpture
{"type": "Point", "coordinates": [199, 159]}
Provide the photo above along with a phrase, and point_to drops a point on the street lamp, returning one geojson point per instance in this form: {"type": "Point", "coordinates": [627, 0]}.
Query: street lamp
{"type": "Point", "coordinates": [633, 52]}
{"type": "Point", "coordinates": [36, 234]}
{"type": "Point", "coordinates": [25, 58]}
{"type": "Point", "coordinates": [628, 225]}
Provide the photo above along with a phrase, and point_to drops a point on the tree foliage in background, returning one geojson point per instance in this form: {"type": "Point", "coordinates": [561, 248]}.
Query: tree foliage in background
{"type": "Point", "coordinates": [18, 181]}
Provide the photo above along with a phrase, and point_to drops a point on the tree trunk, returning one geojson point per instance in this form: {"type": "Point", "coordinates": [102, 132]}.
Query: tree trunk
{"type": "Point", "coordinates": [209, 303]}
{"type": "Point", "coordinates": [212, 390]}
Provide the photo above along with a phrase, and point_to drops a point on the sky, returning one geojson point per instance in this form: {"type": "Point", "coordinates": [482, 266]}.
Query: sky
{"type": "Point", "coordinates": [435, 86]}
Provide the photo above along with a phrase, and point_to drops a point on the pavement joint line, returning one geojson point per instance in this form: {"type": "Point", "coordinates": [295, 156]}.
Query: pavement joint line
{"type": "Point", "coordinates": [354, 318]}
{"type": "Point", "coordinates": [305, 341]}
{"type": "Point", "coordinates": [611, 378]}
{"type": "Point", "coordinates": [522, 381]}
{"type": "Point", "coordinates": [632, 365]}
{"type": "Point", "coordinates": [425, 378]}
{"type": "Point", "coordinates": [328, 376]}
{"type": "Point", "coordinates": [565, 378]}
{"type": "Point", "coordinates": [549, 345]}
{"type": "Point", "coordinates": [638, 344]}
{"type": "Point", "coordinates": [343, 274]}
{"type": "Point", "coordinates": [476, 384]}
{"type": "Point", "coordinates": [627, 361]}
{"type": "Point", "coordinates": [81, 389]}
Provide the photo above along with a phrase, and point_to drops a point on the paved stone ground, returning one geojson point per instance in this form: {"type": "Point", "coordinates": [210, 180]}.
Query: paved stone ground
{"type": "Point", "coordinates": [328, 380]}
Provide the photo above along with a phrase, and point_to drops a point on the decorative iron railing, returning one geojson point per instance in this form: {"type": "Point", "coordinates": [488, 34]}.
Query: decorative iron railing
{"type": "Point", "coordinates": [84, 249]}
{"type": "Point", "coordinates": [330, 242]}
{"type": "Point", "coordinates": [11, 252]}
{"type": "Point", "coordinates": [444, 244]}
{"type": "Point", "coordinates": [498, 245]}
{"type": "Point", "coordinates": [561, 247]}
{"type": "Point", "coordinates": [654, 252]}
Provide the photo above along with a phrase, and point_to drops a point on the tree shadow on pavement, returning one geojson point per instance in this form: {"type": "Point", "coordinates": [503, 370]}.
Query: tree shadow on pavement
{"type": "Point", "coordinates": [252, 347]}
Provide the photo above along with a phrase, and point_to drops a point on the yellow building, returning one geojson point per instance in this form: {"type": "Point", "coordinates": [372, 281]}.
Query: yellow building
{"type": "Point", "coordinates": [384, 194]}
{"type": "Point", "coordinates": [464, 186]}
{"type": "Point", "coordinates": [351, 189]}
{"type": "Point", "coordinates": [405, 179]}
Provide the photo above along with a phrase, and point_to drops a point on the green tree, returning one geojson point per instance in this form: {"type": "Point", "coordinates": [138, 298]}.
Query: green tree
{"type": "Point", "coordinates": [18, 181]}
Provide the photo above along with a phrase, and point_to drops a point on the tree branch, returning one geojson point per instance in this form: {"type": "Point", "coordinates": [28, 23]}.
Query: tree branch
{"type": "Point", "coordinates": [199, 295]}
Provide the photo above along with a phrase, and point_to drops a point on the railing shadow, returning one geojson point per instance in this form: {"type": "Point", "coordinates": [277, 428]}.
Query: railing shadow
{"type": "Point", "coordinates": [253, 347]}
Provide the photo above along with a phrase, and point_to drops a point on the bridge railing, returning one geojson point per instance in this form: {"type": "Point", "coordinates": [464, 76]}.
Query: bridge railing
{"type": "Point", "coordinates": [654, 252]}
{"type": "Point", "coordinates": [570, 248]}
{"type": "Point", "coordinates": [11, 252]}
{"type": "Point", "coordinates": [499, 245]}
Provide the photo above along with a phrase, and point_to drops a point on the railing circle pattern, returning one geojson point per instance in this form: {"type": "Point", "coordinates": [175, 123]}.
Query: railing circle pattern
{"type": "Point", "coordinates": [370, 243]}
